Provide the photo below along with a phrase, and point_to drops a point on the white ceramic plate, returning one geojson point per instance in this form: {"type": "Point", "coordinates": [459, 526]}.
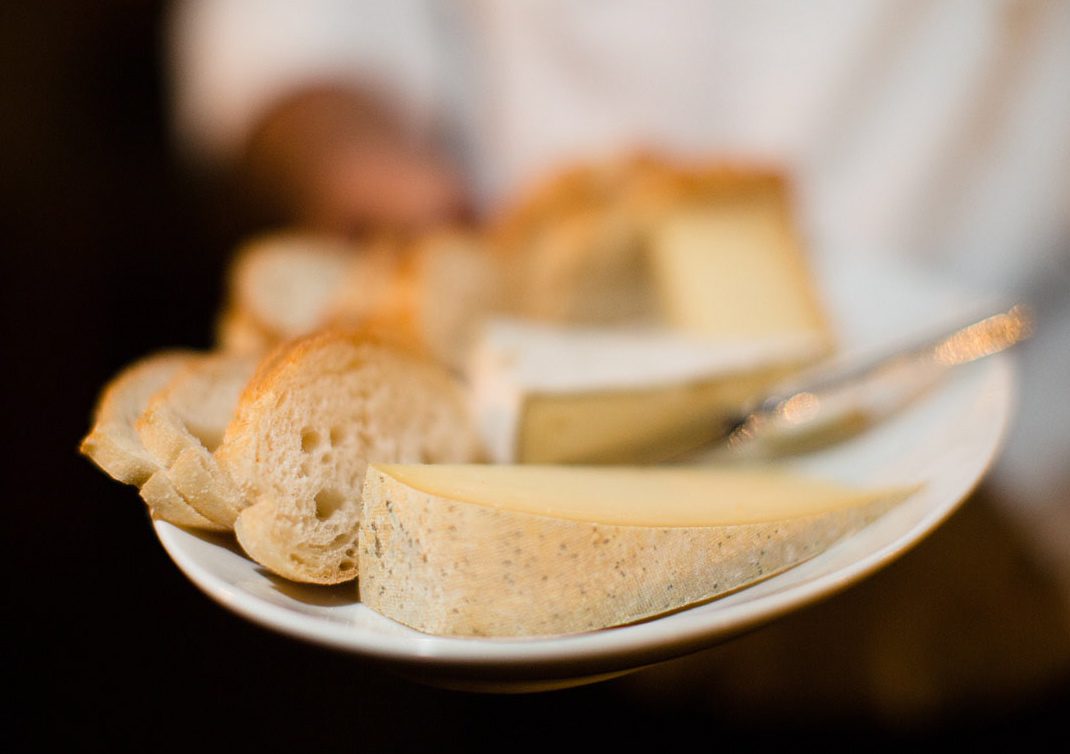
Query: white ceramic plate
{"type": "Point", "coordinates": [947, 441]}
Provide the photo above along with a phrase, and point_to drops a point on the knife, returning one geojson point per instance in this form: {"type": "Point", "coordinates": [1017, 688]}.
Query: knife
{"type": "Point", "coordinates": [834, 401]}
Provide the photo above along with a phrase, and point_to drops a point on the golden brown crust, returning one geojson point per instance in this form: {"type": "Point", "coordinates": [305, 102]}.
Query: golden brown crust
{"type": "Point", "coordinates": [306, 425]}
{"type": "Point", "coordinates": [115, 445]}
{"type": "Point", "coordinates": [112, 443]}
{"type": "Point", "coordinates": [579, 187]}
{"type": "Point", "coordinates": [184, 422]}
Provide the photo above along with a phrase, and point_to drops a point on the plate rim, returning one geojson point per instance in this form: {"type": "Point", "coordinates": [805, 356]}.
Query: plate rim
{"type": "Point", "coordinates": [605, 649]}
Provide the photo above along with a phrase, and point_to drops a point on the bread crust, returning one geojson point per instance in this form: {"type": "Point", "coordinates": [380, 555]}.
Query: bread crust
{"type": "Point", "coordinates": [167, 504]}
{"type": "Point", "coordinates": [111, 442]}
{"type": "Point", "coordinates": [316, 412]}
{"type": "Point", "coordinates": [115, 446]}
{"type": "Point", "coordinates": [184, 423]}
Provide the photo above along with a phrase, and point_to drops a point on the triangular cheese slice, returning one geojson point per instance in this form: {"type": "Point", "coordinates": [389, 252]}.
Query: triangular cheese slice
{"type": "Point", "coordinates": [483, 550]}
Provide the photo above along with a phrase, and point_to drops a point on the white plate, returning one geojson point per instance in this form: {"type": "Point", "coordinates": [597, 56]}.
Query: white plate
{"type": "Point", "coordinates": [947, 440]}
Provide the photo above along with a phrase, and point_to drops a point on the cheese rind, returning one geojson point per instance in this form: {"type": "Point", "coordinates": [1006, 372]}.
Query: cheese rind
{"type": "Point", "coordinates": [467, 557]}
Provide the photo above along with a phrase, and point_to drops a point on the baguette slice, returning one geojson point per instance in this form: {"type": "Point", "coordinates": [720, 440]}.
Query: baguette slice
{"type": "Point", "coordinates": [442, 290]}
{"type": "Point", "coordinates": [432, 292]}
{"type": "Point", "coordinates": [281, 286]}
{"type": "Point", "coordinates": [313, 416]}
{"type": "Point", "coordinates": [112, 442]}
{"type": "Point", "coordinates": [114, 445]}
{"type": "Point", "coordinates": [589, 267]}
{"type": "Point", "coordinates": [499, 550]}
{"type": "Point", "coordinates": [166, 503]}
{"type": "Point", "coordinates": [183, 424]}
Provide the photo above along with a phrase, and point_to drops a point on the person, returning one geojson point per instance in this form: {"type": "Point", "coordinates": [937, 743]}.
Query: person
{"type": "Point", "coordinates": [933, 133]}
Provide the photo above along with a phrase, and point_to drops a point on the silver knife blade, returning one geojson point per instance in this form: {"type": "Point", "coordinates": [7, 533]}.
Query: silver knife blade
{"type": "Point", "coordinates": [834, 401]}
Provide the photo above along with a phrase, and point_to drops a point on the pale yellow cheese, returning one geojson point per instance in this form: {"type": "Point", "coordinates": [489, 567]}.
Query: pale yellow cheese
{"type": "Point", "coordinates": [735, 268]}
{"type": "Point", "coordinates": [708, 259]}
{"type": "Point", "coordinates": [537, 550]}
{"type": "Point", "coordinates": [635, 425]}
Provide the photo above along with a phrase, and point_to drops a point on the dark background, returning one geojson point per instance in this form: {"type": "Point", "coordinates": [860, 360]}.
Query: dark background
{"type": "Point", "coordinates": [112, 250]}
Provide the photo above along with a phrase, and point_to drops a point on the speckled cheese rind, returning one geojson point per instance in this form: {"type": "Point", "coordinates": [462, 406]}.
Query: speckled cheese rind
{"type": "Point", "coordinates": [461, 569]}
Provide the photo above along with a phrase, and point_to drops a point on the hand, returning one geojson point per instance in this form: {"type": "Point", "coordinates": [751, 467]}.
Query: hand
{"type": "Point", "coordinates": [339, 160]}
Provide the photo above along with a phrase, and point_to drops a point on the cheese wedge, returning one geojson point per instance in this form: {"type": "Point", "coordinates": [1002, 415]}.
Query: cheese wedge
{"type": "Point", "coordinates": [483, 550]}
{"type": "Point", "coordinates": [547, 394]}
{"type": "Point", "coordinates": [734, 266]}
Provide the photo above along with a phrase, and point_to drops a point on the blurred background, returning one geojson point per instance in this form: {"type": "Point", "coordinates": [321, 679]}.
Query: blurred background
{"type": "Point", "coordinates": [131, 171]}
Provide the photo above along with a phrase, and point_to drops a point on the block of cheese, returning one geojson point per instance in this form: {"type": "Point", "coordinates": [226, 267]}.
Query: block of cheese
{"type": "Point", "coordinates": [550, 394]}
{"type": "Point", "coordinates": [731, 263]}
{"type": "Point", "coordinates": [711, 247]}
{"type": "Point", "coordinates": [490, 550]}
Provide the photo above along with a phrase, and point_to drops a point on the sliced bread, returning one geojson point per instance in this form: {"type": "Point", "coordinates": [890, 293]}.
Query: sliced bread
{"type": "Point", "coordinates": [445, 286]}
{"type": "Point", "coordinates": [112, 442]}
{"type": "Point", "coordinates": [432, 292]}
{"type": "Point", "coordinates": [280, 286]}
{"type": "Point", "coordinates": [183, 424]}
{"type": "Point", "coordinates": [114, 445]}
{"type": "Point", "coordinates": [576, 247]}
{"type": "Point", "coordinates": [314, 415]}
